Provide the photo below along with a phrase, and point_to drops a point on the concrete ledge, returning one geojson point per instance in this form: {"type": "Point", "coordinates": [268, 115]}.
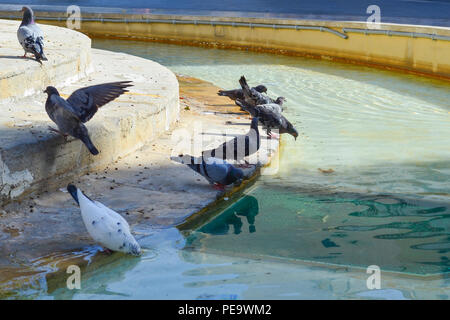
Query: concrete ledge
{"type": "Point", "coordinates": [416, 49]}
{"type": "Point", "coordinates": [23, 77]}
{"type": "Point", "coordinates": [32, 158]}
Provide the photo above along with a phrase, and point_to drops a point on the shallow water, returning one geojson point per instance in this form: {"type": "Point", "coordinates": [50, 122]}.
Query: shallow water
{"type": "Point", "coordinates": [299, 232]}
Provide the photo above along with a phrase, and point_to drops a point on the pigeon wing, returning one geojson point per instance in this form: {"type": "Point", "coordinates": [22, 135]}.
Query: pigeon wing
{"type": "Point", "coordinates": [113, 214]}
{"type": "Point", "coordinates": [87, 100]}
{"type": "Point", "coordinates": [104, 227]}
{"type": "Point", "coordinates": [27, 39]}
{"type": "Point", "coordinates": [276, 108]}
{"type": "Point", "coordinates": [217, 170]}
{"type": "Point", "coordinates": [57, 106]}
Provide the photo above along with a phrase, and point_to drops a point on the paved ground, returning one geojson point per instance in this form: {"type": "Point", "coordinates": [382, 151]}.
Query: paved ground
{"type": "Point", "coordinates": [424, 12]}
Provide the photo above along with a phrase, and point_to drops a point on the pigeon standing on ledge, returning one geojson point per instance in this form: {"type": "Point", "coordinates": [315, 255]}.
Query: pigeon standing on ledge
{"type": "Point", "coordinates": [239, 93]}
{"type": "Point", "coordinates": [218, 172]}
{"type": "Point", "coordinates": [271, 119]}
{"type": "Point", "coordinates": [239, 147]}
{"type": "Point", "coordinates": [253, 98]}
{"type": "Point", "coordinates": [104, 225]}
{"type": "Point", "coordinates": [254, 110]}
{"type": "Point", "coordinates": [69, 115]}
{"type": "Point", "coordinates": [30, 36]}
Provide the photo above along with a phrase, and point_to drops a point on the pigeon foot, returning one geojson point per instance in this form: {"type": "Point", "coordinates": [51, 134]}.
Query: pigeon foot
{"type": "Point", "coordinates": [245, 165]}
{"type": "Point", "coordinates": [219, 186]}
{"type": "Point", "coordinates": [65, 136]}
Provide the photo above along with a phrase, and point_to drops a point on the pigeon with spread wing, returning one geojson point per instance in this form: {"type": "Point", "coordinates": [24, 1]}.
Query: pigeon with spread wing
{"type": "Point", "coordinates": [69, 115]}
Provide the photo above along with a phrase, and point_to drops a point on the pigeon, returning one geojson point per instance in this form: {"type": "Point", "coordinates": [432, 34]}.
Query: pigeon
{"type": "Point", "coordinates": [239, 147]}
{"type": "Point", "coordinates": [30, 36]}
{"type": "Point", "coordinates": [239, 93]}
{"type": "Point", "coordinates": [218, 172]}
{"type": "Point", "coordinates": [271, 120]}
{"type": "Point", "coordinates": [104, 225]}
{"type": "Point", "coordinates": [253, 110]}
{"type": "Point", "coordinates": [253, 97]}
{"type": "Point", "coordinates": [69, 115]}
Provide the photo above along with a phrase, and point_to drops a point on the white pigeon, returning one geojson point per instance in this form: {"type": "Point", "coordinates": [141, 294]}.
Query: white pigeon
{"type": "Point", "coordinates": [30, 35]}
{"type": "Point", "coordinates": [104, 225]}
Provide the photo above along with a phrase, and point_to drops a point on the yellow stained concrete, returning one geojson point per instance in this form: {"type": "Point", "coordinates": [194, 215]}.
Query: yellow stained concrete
{"type": "Point", "coordinates": [418, 55]}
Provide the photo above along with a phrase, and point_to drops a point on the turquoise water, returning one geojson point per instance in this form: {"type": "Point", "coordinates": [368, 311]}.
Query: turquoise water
{"type": "Point", "coordinates": [299, 232]}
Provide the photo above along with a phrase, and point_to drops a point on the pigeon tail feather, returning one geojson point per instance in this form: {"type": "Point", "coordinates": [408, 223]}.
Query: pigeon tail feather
{"type": "Point", "coordinates": [88, 143]}
{"type": "Point", "coordinates": [73, 192]}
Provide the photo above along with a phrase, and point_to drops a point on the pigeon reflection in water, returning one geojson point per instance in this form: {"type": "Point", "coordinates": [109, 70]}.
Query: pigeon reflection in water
{"type": "Point", "coordinates": [246, 207]}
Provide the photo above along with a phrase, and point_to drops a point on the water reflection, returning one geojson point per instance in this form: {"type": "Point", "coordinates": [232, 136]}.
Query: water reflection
{"type": "Point", "coordinates": [397, 233]}
{"type": "Point", "coordinates": [246, 207]}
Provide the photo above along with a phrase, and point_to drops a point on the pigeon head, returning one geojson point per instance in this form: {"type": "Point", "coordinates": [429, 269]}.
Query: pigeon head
{"type": "Point", "coordinates": [51, 90]}
{"type": "Point", "coordinates": [280, 100]}
{"type": "Point", "coordinates": [134, 248]}
{"type": "Point", "coordinates": [292, 131]}
{"type": "Point", "coordinates": [261, 88]}
{"type": "Point", "coordinates": [28, 16]}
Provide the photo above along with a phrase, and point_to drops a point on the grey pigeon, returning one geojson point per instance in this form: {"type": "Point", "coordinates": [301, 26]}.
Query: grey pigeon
{"type": "Point", "coordinates": [69, 115]}
{"type": "Point", "coordinates": [239, 93]}
{"type": "Point", "coordinates": [216, 171]}
{"type": "Point", "coordinates": [254, 110]}
{"type": "Point", "coordinates": [30, 36]}
{"type": "Point", "coordinates": [271, 119]}
{"type": "Point", "coordinates": [253, 98]}
{"type": "Point", "coordinates": [238, 147]}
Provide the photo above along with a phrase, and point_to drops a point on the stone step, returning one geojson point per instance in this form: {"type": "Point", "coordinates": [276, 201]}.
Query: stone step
{"type": "Point", "coordinates": [33, 158]}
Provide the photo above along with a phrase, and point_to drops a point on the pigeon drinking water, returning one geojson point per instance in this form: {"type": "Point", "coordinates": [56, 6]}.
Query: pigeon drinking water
{"type": "Point", "coordinates": [218, 172]}
{"type": "Point", "coordinates": [69, 115]}
{"type": "Point", "coordinates": [30, 35]}
{"type": "Point", "coordinates": [239, 147]}
{"type": "Point", "coordinates": [104, 225]}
